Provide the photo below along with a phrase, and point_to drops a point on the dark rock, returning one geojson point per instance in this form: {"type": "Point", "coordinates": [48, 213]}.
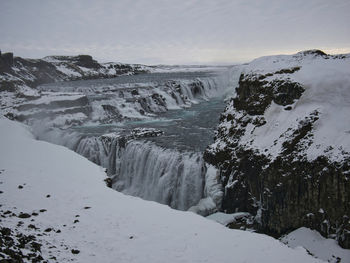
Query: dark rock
{"type": "Point", "coordinates": [24, 215]}
{"type": "Point", "coordinates": [287, 71]}
{"type": "Point", "coordinates": [315, 52]}
{"type": "Point", "coordinates": [86, 61]}
{"type": "Point", "coordinates": [134, 92]}
{"type": "Point", "coordinates": [286, 192]}
{"type": "Point", "coordinates": [75, 251]}
{"type": "Point", "coordinates": [254, 95]}
{"type": "Point", "coordinates": [20, 187]}
{"type": "Point", "coordinates": [108, 182]}
{"type": "Point", "coordinates": [6, 62]}
{"type": "Point", "coordinates": [36, 246]}
{"type": "Point", "coordinates": [5, 231]}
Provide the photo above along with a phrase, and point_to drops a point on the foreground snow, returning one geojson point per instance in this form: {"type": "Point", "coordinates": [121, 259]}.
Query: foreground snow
{"type": "Point", "coordinates": [323, 248]}
{"type": "Point", "coordinates": [226, 219]}
{"type": "Point", "coordinates": [109, 226]}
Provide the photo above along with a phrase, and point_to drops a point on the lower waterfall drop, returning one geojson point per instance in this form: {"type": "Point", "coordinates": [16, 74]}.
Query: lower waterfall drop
{"type": "Point", "coordinates": [153, 173]}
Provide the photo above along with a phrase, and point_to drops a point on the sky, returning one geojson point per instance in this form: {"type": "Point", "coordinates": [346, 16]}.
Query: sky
{"type": "Point", "coordinates": [173, 31]}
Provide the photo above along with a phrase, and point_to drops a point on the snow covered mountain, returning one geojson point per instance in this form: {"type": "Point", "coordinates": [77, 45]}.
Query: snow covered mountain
{"type": "Point", "coordinates": [283, 144]}
{"type": "Point", "coordinates": [55, 207]}
{"type": "Point", "coordinates": [19, 77]}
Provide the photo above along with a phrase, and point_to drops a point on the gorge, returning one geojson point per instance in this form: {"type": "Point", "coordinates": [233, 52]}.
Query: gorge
{"type": "Point", "coordinates": [268, 138]}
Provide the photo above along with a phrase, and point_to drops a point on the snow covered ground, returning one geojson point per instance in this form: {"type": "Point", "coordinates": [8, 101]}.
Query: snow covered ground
{"type": "Point", "coordinates": [226, 219]}
{"type": "Point", "coordinates": [102, 225]}
{"type": "Point", "coordinates": [323, 248]}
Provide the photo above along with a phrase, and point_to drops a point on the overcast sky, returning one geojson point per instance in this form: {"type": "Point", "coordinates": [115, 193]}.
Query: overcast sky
{"type": "Point", "coordinates": [173, 31]}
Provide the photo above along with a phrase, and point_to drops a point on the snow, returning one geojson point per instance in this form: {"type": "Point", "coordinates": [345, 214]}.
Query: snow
{"type": "Point", "coordinates": [116, 228]}
{"type": "Point", "coordinates": [226, 219]}
{"type": "Point", "coordinates": [67, 71]}
{"type": "Point", "coordinates": [323, 248]}
{"type": "Point", "coordinates": [327, 91]}
{"type": "Point", "coordinates": [212, 193]}
{"type": "Point", "coordinates": [50, 97]}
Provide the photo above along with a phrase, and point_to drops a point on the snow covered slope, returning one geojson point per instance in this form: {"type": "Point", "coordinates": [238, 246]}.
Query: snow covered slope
{"type": "Point", "coordinates": [283, 144]}
{"type": "Point", "coordinates": [323, 248]}
{"type": "Point", "coordinates": [60, 198]}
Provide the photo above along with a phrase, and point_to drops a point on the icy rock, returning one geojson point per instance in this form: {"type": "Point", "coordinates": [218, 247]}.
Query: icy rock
{"type": "Point", "coordinates": [146, 132]}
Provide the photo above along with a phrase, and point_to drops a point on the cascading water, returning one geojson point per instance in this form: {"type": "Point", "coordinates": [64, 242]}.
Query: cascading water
{"type": "Point", "coordinates": [168, 169]}
{"type": "Point", "coordinates": [163, 175]}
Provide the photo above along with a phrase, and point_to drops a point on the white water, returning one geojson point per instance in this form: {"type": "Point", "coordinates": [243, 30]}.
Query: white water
{"type": "Point", "coordinates": [163, 175]}
{"type": "Point", "coordinates": [161, 170]}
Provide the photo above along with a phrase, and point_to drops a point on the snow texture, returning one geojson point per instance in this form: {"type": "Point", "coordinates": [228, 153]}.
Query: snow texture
{"type": "Point", "coordinates": [320, 247]}
{"type": "Point", "coordinates": [226, 219]}
{"type": "Point", "coordinates": [327, 92]}
{"type": "Point", "coordinates": [109, 226]}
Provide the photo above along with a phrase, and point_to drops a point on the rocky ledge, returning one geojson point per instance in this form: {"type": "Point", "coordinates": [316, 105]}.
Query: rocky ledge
{"type": "Point", "coordinates": [283, 145]}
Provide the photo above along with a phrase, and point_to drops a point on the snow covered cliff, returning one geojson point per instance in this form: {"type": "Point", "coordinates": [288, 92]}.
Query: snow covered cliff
{"type": "Point", "coordinates": [283, 144]}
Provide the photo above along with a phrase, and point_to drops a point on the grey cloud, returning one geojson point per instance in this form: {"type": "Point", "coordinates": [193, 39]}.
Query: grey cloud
{"type": "Point", "coordinates": [163, 31]}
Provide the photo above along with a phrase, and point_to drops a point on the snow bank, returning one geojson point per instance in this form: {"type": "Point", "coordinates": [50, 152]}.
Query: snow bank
{"type": "Point", "coordinates": [226, 219]}
{"type": "Point", "coordinates": [323, 248]}
{"type": "Point", "coordinates": [109, 226]}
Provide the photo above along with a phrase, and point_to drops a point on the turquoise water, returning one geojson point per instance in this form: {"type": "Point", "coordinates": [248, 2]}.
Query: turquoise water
{"type": "Point", "coordinates": [189, 129]}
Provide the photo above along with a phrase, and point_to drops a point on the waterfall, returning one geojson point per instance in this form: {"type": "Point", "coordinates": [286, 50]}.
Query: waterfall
{"type": "Point", "coordinates": [163, 175]}
{"type": "Point", "coordinates": [141, 168]}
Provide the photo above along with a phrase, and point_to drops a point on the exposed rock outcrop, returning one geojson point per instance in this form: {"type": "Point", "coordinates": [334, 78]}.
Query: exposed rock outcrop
{"type": "Point", "coordinates": [282, 146]}
{"type": "Point", "coordinates": [6, 61]}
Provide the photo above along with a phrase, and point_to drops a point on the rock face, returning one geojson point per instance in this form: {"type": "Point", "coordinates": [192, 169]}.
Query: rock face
{"type": "Point", "coordinates": [282, 146]}
{"type": "Point", "coordinates": [6, 61]}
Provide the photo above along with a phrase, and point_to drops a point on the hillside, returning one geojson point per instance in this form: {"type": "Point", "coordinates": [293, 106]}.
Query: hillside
{"type": "Point", "coordinates": [19, 77]}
